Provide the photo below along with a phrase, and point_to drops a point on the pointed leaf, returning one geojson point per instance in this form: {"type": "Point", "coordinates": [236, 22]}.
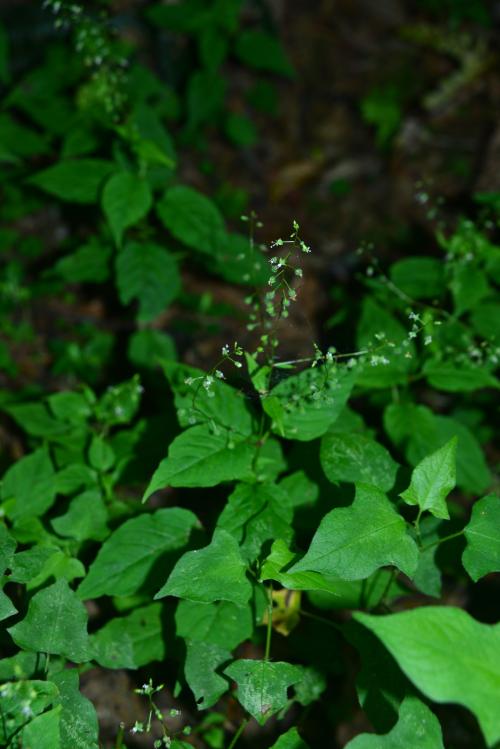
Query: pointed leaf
{"type": "Point", "coordinates": [222, 623]}
{"type": "Point", "coordinates": [193, 219]}
{"type": "Point", "coordinates": [79, 727]}
{"type": "Point", "coordinates": [126, 199]}
{"type": "Point", "coordinates": [148, 273]}
{"type": "Point", "coordinates": [77, 180]}
{"type": "Point", "coordinates": [357, 458]}
{"type": "Point", "coordinates": [215, 573]}
{"type": "Point", "coordinates": [202, 660]}
{"type": "Point", "coordinates": [130, 641]}
{"type": "Point", "coordinates": [441, 649]}
{"type": "Point", "coordinates": [279, 558]}
{"type": "Point", "coordinates": [352, 542]}
{"type": "Point", "coordinates": [29, 486]}
{"type": "Point", "coordinates": [482, 554]}
{"type": "Point", "coordinates": [432, 480]}
{"type": "Point", "coordinates": [290, 740]}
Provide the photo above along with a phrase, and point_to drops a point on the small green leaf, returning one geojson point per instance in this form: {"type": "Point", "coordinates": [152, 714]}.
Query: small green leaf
{"type": "Point", "coordinates": [85, 519]}
{"type": "Point", "coordinates": [148, 273]}
{"type": "Point", "coordinates": [221, 623]}
{"type": "Point", "coordinates": [419, 277]}
{"type": "Point", "coordinates": [43, 731]}
{"type": "Point", "coordinates": [432, 480]}
{"type": "Point", "coordinates": [101, 455]}
{"type": "Point", "coordinates": [79, 726]}
{"type": "Point", "coordinates": [281, 557]}
{"type": "Point", "coordinates": [290, 740]}
{"type": "Point", "coordinates": [482, 553]}
{"type": "Point", "coordinates": [15, 695]}
{"type": "Point", "coordinates": [130, 553]}
{"type": "Point", "coordinates": [56, 623]}
{"type": "Point", "coordinates": [69, 406]}
{"type": "Point", "coordinates": [89, 263]}
{"type": "Point", "coordinates": [7, 608]}
{"type": "Point", "coordinates": [354, 457]}
{"type": "Point", "coordinates": [147, 347]}
{"type": "Point", "coordinates": [7, 548]}
{"type": "Point", "coordinates": [130, 641]}
{"type": "Point", "coordinates": [262, 685]}
{"type": "Point", "coordinates": [77, 181]}
{"type": "Point", "coordinates": [29, 486]}
{"type": "Point", "coordinates": [215, 573]}
{"type": "Point", "coordinates": [263, 51]}
{"type": "Point", "coordinates": [441, 649]}
{"type": "Point", "coordinates": [126, 199]}
{"type": "Point", "coordinates": [202, 660]}
{"type": "Point", "coordinates": [352, 542]}
{"type": "Point", "coordinates": [120, 403]}
{"type": "Point", "coordinates": [458, 379]}
{"type": "Point", "coordinates": [417, 727]}
{"type": "Point", "coordinates": [192, 219]}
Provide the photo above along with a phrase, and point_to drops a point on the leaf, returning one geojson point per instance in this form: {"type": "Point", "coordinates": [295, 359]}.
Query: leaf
{"type": "Point", "coordinates": [85, 519]}
{"type": "Point", "coordinates": [354, 457]}
{"type": "Point", "coordinates": [432, 480]}
{"type": "Point", "coordinates": [263, 51]}
{"type": "Point", "coordinates": [240, 261]}
{"type": "Point", "coordinates": [89, 263]}
{"type": "Point", "coordinates": [29, 486]}
{"type": "Point", "coordinates": [78, 725]}
{"type": "Point", "coordinates": [215, 573]}
{"type": "Point", "coordinates": [69, 406]}
{"type": "Point", "coordinates": [417, 727]}
{"type": "Point", "coordinates": [7, 548]}
{"type": "Point", "coordinates": [126, 199]}
{"type": "Point", "coordinates": [7, 608]}
{"type": "Point", "coordinates": [352, 542]}
{"type": "Point", "coordinates": [482, 553]}
{"type": "Point", "coordinates": [35, 419]}
{"type": "Point", "coordinates": [130, 641]}
{"type": "Point", "coordinates": [419, 277]}
{"type": "Point", "coordinates": [15, 695]}
{"type": "Point", "coordinates": [308, 403]}
{"type": "Point", "coordinates": [441, 649]}
{"type": "Point", "coordinates": [202, 660]}
{"type": "Point", "coordinates": [262, 685]}
{"type": "Point", "coordinates": [192, 219]}
{"type": "Point", "coordinates": [56, 623]}
{"type": "Point", "coordinates": [76, 181]}
{"type": "Point", "coordinates": [222, 623]}
{"type": "Point", "coordinates": [120, 403]}
{"type": "Point", "coordinates": [355, 594]}
{"type": "Point", "coordinates": [101, 455]}
{"type": "Point", "coordinates": [127, 557]}
{"type": "Point", "coordinates": [300, 489]}
{"type": "Point", "coordinates": [458, 379]}
{"type": "Point", "coordinates": [281, 557]}
{"type": "Point", "coordinates": [43, 731]}
{"type": "Point", "coordinates": [146, 347]}
{"type": "Point", "coordinates": [200, 458]}
{"type": "Point", "coordinates": [469, 286]}
{"type": "Point", "coordinates": [148, 273]}
{"type": "Point", "coordinates": [255, 514]}
{"type": "Point", "coordinates": [290, 740]}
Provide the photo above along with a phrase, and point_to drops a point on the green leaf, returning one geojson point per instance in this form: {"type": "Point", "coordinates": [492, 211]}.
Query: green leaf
{"type": "Point", "coordinates": [432, 480]}
{"type": "Point", "coordinates": [147, 347]}
{"type": "Point", "coordinates": [281, 557]}
{"type": "Point", "coordinates": [201, 108]}
{"type": "Point", "coordinates": [43, 731]}
{"type": "Point", "coordinates": [200, 458]}
{"type": "Point", "coordinates": [308, 403]}
{"type": "Point", "coordinates": [290, 740]}
{"type": "Point", "coordinates": [7, 548]}
{"type": "Point", "coordinates": [192, 219]}
{"type": "Point", "coordinates": [222, 623]}
{"type": "Point", "coordinates": [441, 649]}
{"type": "Point", "coordinates": [419, 277]}
{"type": "Point", "coordinates": [255, 514]}
{"type": "Point", "coordinates": [352, 542]}
{"type": "Point", "coordinates": [120, 403]}
{"type": "Point", "coordinates": [69, 406]}
{"type": "Point", "coordinates": [7, 608]}
{"type": "Point", "coordinates": [354, 457]}
{"type": "Point", "coordinates": [417, 727]}
{"type": "Point", "coordinates": [78, 726]}
{"type": "Point", "coordinates": [262, 685]}
{"type": "Point", "coordinates": [101, 455]}
{"type": "Point", "coordinates": [130, 641]}
{"type": "Point", "coordinates": [240, 261]}
{"type": "Point", "coordinates": [35, 419]}
{"type": "Point", "coordinates": [469, 286]}
{"type": "Point", "coordinates": [300, 489]}
{"type": "Point", "coordinates": [15, 695]}
{"type": "Point", "coordinates": [482, 553]}
{"type": "Point", "coordinates": [85, 519]}
{"type": "Point", "coordinates": [263, 51]}
{"type": "Point", "coordinates": [89, 263]}
{"type": "Point", "coordinates": [29, 486]}
{"type": "Point", "coordinates": [354, 594]}
{"type": "Point", "coordinates": [202, 660]}
{"type": "Point", "coordinates": [56, 623]}
{"type": "Point", "coordinates": [215, 573]}
{"type": "Point", "coordinates": [148, 273]}
{"type": "Point", "coordinates": [458, 379]}
{"type": "Point", "coordinates": [126, 199]}
{"type": "Point", "coordinates": [130, 553]}
{"type": "Point", "coordinates": [76, 181]}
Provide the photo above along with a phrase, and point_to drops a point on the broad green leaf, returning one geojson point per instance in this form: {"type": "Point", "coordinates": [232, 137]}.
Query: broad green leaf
{"type": "Point", "coordinates": [126, 558]}
{"type": "Point", "coordinates": [192, 219]}
{"type": "Point", "coordinates": [417, 727]}
{"type": "Point", "coordinates": [486, 320]}
{"type": "Point", "coordinates": [263, 51]}
{"type": "Point", "coordinates": [76, 181]}
{"type": "Point", "coordinates": [38, 695]}
{"type": "Point", "coordinates": [147, 347]}
{"type": "Point", "coordinates": [419, 277]}
{"type": "Point", "coordinates": [74, 477]}
{"type": "Point", "coordinates": [222, 623]}
{"type": "Point", "coordinates": [7, 608]}
{"type": "Point", "coordinates": [126, 199]}
{"type": "Point", "coordinates": [101, 455]}
{"type": "Point", "coordinates": [469, 286]}
{"type": "Point", "coordinates": [432, 480]}
{"type": "Point", "coordinates": [215, 573]}
{"type": "Point", "coordinates": [354, 594]}
{"type": "Point", "coordinates": [29, 486]}
{"type": "Point", "coordinates": [290, 740]}
{"type": "Point", "coordinates": [354, 457]}
{"type": "Point", "coordinates": [35, 419]}
{"type": "Point", "coordinates": [202, 660]}
{"type": "Point", "coordinates": [130, 641]}
{"type": "Point", "coordinates": [200, 458]}
{"type": "Point", "coordinates": [72, 407]}
{"type": "Point", "coordinates": [458, 379]}
{"type": "Point", "coordinates": [262, 685]}
{"type": "Point", "coordinates": [308, 403]}
{"type": "Point", "coordinates": [148, 273]}
{"type": "Point", "coordinates": [300, 489]}
{"type": "Point", "coordinates": [78, 726]}
{"type": "Point", "coordinates": [255, 514]}
{"type": "Point", "coordinates": [89, 263]}
{"type": "Point", "coordinates": [27, 564]}
{"type": "Point", "coordinates": [279, 558]}
{"type": "Point", "coordinates": [43, 731]}
{"type": "Point", "coordinates": [56, 623]}
{"type": "Point", "coordinates": [482, 553]}
{"type": "Point", "coordinates": [352, 542]}
{"type": "Point", "coordinates": [85, 519]}
{"type": "Point", "coordinates": [441, 649]}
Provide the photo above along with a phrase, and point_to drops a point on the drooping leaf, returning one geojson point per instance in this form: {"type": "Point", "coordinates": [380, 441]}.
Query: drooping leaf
{"type": "Point", "coordinates": [198, 457]}
{"type": "Point", "coordinates": [432, 480]}
{"type": "Point", "coordinates": [56, 623]}
{"type": "Point", "coordinates": [129, 554]}
{"type": "Point", "coordinates": [262, 685]}
{"type": "Point", "coordinates": [441, 648]}
{"type": "Point", "coordinates": [78, 724]}
{"type": "Point", "coordinates": [279, 558]}
{"type": "Point", "coordinates": [221, 623]}
{"type": "Point", "coordinates": [352, 542]}
{"type": "Point", "coordinates": [482, 553]}
{"type": "Point", "coordinates": [130, 641]}
{"type": "Point", "coordinates": [357, 458]}
{"type": "Point", "coordinates": [43, 731]}
{"type": "Point", "coordinates": [202, 660]}
{"type": "Point", "coordinates": [215, 573]}
{"type": "Point", "coordinates": [29, 486]}
{"type": "Point", "coordinates": [76, 180]}
{"type": "Point", "coordinates": [290, 740]}
{"type": "Point", "coordinates": [417, 727]}
{"type": "Point", "coordinates": [192, 219]}
{"type": "Point", "coordinates": [126, 199]}
{"type": "Point", "coordinates": [147, 273]}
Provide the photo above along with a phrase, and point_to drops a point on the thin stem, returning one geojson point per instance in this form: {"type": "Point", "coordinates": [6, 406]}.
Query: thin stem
{"type": "Point", "coordinates": [387, 588]}
{"type": "Point", "coordinates": [238, 733]}
{"type": "Point", "coordinates": [442, 540]}
{"type": "Point", "coordinates": [417, 527]}
{"type": "Point", "coordinates": [269, 622]}
{"type": "Point", "coordinates": [321, 619]}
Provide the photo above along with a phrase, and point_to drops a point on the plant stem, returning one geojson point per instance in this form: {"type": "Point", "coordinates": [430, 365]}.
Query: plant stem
{"type": "Point", "coordinates": [269, 622]}
{"type": "Point", "coordinates": [387, 588]}
{"type": "Point", "coordinates": [238, 733]}
{"type": "Point", "coordinates": [321, 619]}
{"type": "Point", "coordinates": [442, 540]}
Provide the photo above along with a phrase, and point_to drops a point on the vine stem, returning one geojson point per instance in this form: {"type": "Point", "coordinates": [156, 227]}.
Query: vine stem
{"type": "Point", "coordinates": [442, 540]}
{"type": "Point", "coordinates": [269, 622]}
{"type": "Point", "coordinates": [238, 733]}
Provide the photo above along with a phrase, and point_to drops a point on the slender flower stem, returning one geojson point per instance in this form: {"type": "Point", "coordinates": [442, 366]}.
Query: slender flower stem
{"type": "Point", "coordinates": [238, 733]}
